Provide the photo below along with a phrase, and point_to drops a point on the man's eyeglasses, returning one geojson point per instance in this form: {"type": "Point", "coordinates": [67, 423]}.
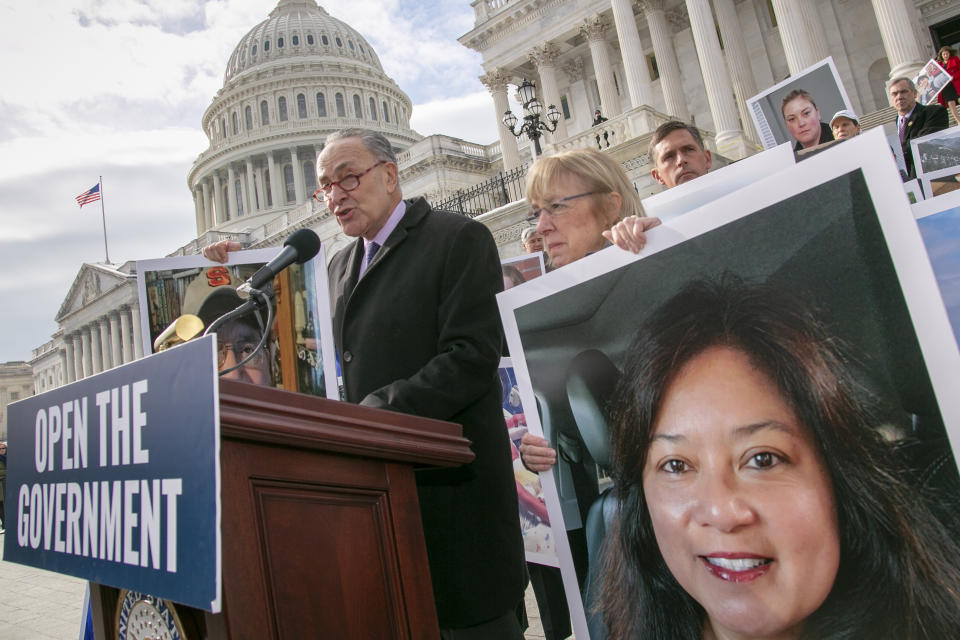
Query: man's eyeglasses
{"type": "Point", "coordinates": [241, 351]}
{"type": "Point", "coordinates": [557, 208]}
{"type": "Point", "coordinates": [348, 182]}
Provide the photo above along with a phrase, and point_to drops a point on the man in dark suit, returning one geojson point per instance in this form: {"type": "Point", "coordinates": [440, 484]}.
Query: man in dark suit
{"type": "Point", "coordinates": [913, 119]}
{"type": "Point", "coordinates": [417, 330]}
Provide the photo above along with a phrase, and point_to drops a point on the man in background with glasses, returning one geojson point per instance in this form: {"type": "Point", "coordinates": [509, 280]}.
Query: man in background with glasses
{"type": "Point", "coordinates": [417, 330]}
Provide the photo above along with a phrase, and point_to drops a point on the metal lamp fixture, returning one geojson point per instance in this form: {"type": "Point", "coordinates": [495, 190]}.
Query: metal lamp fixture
{"type": "Point", "coordinates": [532, 125]}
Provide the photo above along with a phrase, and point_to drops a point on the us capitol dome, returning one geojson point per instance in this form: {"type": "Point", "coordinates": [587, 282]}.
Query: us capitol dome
{"type": "Point", "coordinates": [296, 77]}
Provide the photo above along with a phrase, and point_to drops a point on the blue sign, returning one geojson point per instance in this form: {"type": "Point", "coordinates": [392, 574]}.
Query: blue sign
{"type": "Point", "coordinates": [116, 478]}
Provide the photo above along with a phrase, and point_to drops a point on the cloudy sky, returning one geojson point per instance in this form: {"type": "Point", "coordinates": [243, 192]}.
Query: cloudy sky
{"type": "Point", "coordinates": [117, 88]}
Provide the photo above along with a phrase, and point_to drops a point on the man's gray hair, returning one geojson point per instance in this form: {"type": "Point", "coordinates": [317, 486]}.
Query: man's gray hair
{"type": "Point", "coordinates": [375, 142]}
{"type": "Point", "coordinates": [909, 82]}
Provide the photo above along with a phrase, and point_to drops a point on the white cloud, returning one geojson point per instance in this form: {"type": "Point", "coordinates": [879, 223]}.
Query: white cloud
{"type": "Point", "coordinates": [470, 117]}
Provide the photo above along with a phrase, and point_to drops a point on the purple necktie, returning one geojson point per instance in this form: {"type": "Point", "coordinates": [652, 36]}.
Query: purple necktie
{"type": "Point", "coordinates": [902, 128]}
{"type": "Point", "coordinates": [372, 249]}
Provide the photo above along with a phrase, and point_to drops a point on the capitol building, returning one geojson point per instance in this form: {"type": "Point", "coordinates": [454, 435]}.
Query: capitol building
{"type": "Point", "coordinates": [301, 74]}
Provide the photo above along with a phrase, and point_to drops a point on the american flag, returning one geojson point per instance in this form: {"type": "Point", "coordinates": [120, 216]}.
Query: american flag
{"type": "Point", "coordinates": [90, 195]}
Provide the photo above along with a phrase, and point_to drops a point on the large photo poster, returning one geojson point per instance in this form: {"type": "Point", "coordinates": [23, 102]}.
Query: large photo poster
{"type": "Point", "coordinates": [825, 248]}
{"type": "Point", "coordinates": [939, 223]}
{"type": "Point", "coordinates": [538, 539]}
{"type": "Point", "coordinates": [815, 94]}
{"type": "Point", "coordinates": [298, 354]}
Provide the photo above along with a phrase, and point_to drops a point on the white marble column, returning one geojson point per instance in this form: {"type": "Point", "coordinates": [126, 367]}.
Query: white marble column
{"type": "Point", "coordinates": [116, 356]}
{"type": "Point", "coordinates": [544, 58]}
{"type": "Point", "coordinates": [262, 189]}
{"type": "Point", "coordinates": [631, 51]}
{"type": "Point", "coordinates": [804, 41]}
{"type": "Point", "coordinates": [69, 365]}
{"type": "Point", "coordinates": [231, 192]}
{"type": "Point", "coordinates": [594, 30]}
{"type": "Point", "coordinates": [104, 326]}
{"type": "Point", "coordinates": [244, 196]}
{"type": "Point", "coordinates": [496, 83]}
{"type": "Point", "coordinates": [125, 345]}
{"type": "Point", "coordinates": [670, 81]}
{"type": "Point", "coordinates": [96, 348]}
{"type": "Point", "coordinates": [904, 52]}
{"type": "Point", "coordinates": [252, 203]}
{"type": "Point", "coordinates": [207, 209]}
{"type": "Point", "coordinates": [219, 204]}
{"type": "Point", "coordinates": [297, 175]}
{"type": "Point", "coordinates": [729, 138]}
{"type": "Point", "coordinates": [278, 194]}
{"type": "Point", "coordinates": [61, 378]}
{"type": "Point", "coordinates": [198, 210]}
{"type": "Point", "coordinates": [137, 332]}
{"type": "Point", "coordinates": [738, 63]}
{"type": "Point", "coordinates": [77, 357]}
{"type": "Point", "coordinates": [86, 361]}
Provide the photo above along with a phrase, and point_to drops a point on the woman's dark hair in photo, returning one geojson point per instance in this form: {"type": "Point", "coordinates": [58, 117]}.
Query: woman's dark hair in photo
{"type": "Point", "coordinates": [510, 271]}
{"type": "Point", "coordinates": [898, 575]}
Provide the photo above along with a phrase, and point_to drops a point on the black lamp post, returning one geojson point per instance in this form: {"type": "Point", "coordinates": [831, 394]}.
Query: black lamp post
{"type": "Point", "coordinates": [532, 124]}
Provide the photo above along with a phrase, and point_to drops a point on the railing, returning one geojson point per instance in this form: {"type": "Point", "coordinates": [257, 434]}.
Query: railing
{"type": "Point", "coordinates": [503, 188]}
{"type": "Point", "coordinates": [617, 130]}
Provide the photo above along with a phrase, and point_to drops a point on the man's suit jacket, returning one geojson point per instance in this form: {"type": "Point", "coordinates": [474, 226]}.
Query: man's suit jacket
{"type": "Point", "coordinates": [420, 333]}
{"type": "Point", "coordinates": [924, 120]}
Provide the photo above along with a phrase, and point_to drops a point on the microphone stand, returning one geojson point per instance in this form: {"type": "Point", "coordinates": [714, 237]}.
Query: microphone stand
{"type": "Point", "coordinates": [245, 308]}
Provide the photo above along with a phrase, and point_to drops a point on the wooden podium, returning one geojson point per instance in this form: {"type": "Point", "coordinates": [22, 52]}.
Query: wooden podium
{"type": "Point", "coordinates": [320, 521]}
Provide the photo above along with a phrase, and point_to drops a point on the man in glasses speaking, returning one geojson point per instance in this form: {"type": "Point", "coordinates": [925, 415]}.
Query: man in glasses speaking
{"type": "Point", "coordinates": [417, 330]}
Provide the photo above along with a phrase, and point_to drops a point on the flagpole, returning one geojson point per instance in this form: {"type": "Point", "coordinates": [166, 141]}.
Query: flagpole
{"type": "Point", "coordinates": [104, 216]}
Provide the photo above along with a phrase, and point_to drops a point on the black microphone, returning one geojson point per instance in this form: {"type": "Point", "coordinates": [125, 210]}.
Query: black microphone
{"type": "Point", "coordinates": [299, 247]}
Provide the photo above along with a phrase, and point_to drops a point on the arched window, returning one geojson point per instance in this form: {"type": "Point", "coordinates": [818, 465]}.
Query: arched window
{"type": "Point", "coordinates": [238, 188]}
{"type": "Point", "coordinates": [341, 109]}
{"type": "Point", "coordinates": [339, 42]}
{"type": "Point", "coordinates": [357, 109]}
{"type": "Point", "coordinates": [386, 113]}
{"type": "Point", "coordinates": [248, 117]}
{"type": "Point", "coordinates": [321, 105]}
{"type": "Point", "coordinates": [324, 39]}
{"type": "Point", "coordinates": [350, 43]}
{"type": "Point", "coordinates": [373, 109]}
{"type": "Point", "coordinates": [361, 47]}
{"type": "Point", "coordinates": [279, 43]}
{"type": "Point", "coordinates": [309, 176]}
{"type": "Point", "coordinates": [253, 51]}
{"type": "Point", "coordinates": [282, 106]}
{"type": "Point", "coordinates": [309, 38]}
{"type": "Point", "coordinates": [296, 40]}
{"type": "Point", "coordinates": [301, 106]}
{"type": "Point", "coordinates": [264, 113]}
{"type": "Point", "coordinates": [236, 124]}
{"type": "Point", "coordinates": [266, 46]}
{"type": "Point", "coordinates": [288, 183]}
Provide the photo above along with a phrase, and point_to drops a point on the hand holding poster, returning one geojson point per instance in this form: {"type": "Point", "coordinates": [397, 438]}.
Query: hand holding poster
{"type": "Point", "coordinates": [832, 235]}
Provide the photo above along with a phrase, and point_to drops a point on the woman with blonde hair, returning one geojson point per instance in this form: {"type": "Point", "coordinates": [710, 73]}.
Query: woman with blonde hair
{"type": "Point", "coordinates": [575, 198]}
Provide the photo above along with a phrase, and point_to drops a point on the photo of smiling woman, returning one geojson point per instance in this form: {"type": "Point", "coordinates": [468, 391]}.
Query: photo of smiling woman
{"type": "Point", "coordinates": [802, 118]}
{"type": "Point", "coordinates": [756, 496]}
